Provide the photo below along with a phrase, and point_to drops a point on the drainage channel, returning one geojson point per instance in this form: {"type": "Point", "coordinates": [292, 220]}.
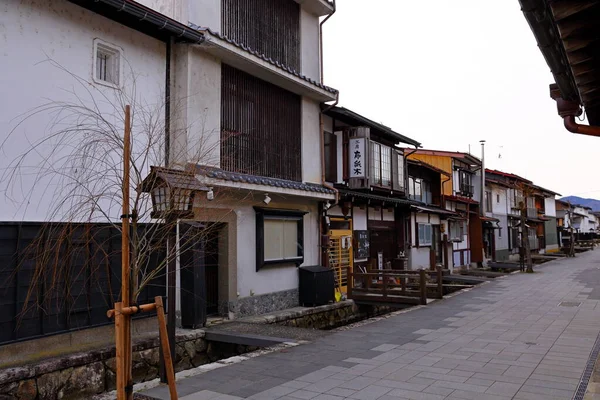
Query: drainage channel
{"type": "Point", "coordinates": [589, 369]}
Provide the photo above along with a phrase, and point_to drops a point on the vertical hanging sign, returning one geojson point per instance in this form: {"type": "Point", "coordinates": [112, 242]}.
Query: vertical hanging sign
{"type": "Point", "coordinates": [357, 158]}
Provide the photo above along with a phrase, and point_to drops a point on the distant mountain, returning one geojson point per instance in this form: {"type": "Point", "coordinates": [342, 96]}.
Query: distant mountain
{"type": "Point", "coordinates": [593, 203]}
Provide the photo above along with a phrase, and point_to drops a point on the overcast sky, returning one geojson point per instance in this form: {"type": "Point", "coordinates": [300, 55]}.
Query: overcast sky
{"type": "Point", "coordinates": [451, 73]}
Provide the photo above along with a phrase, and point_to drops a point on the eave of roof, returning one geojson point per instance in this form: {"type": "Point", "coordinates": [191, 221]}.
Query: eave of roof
{"type": "Point", "coordinates": [506, 174]}
{"type": "Point", "coordinates": [368, 196]}
{"type": "Point", "coordinates": [428, 166]}
{"type": "Point", "coordinates": [454, 154]}
{"type": "Point", "coordinates": [209, 32]}
{"type": "Point", "coordinates": [546, 191]}
{"type": "Point", "coordinates": [141, 18]}
{"type": "Point", "coordinates": [220, 174]}
{"type": "Point", "coordinates": [433, 210]}
{"type": "Point", "coordinates": [566, 33]}
{"type": "Point", "coordinates": [351, 117]}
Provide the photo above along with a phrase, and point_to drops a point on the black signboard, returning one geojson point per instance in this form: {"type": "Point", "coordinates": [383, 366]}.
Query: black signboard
{"type": "Point", "coordinates": [362, 244]}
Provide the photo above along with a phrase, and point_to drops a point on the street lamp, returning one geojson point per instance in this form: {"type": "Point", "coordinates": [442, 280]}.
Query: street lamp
{"type": "Point", "coordinates": [172, 192]}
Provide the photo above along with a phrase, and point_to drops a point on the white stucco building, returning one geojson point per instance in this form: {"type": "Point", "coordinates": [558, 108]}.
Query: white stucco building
{"type": "Point", "coordinates": [239, 105]}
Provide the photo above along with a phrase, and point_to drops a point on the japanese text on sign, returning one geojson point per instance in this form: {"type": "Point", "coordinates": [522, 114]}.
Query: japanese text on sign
{"type": "Point", "coordinates": [357, 158]}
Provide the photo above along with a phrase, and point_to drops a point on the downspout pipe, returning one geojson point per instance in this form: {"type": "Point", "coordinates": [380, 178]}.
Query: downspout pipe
{"type": "Point", "coordinates": [568, 110]}
{"type": "Point", "coordinates": [574, 127]}
{"type": "Point", "coordinates": [322, 228]}
{"type": "Point", "coordinates": [321, 38]}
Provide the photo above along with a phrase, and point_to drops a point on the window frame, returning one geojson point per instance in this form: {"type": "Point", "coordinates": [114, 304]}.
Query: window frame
{"type": "Point", "coordinates": [377, 165]}
{"type": "Point", "coordinates": [488, 201]}
{"type": "Point", "coordinates": [275, 214]}
{"type": "Point", "coordinates": [461, 231]}
{"type": "Point", "coordinates": [422, 243]}
{"type": "Point", "coordinates": [330, 152]}
{"type": "Point", "coordinates": [112, 50]}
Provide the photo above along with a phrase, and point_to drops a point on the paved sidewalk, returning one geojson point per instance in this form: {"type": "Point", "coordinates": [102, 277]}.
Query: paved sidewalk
{"type": "Point", "coordinates": [520, 337]}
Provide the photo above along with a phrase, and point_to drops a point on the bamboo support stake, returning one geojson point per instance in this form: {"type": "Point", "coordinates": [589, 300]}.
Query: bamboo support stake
{"type": "Point", "coordinates": [125, 272]}
{"type": "Point", "coordinates": [119, 347]}
{"type": "Point", "coordinates": [164, 340]}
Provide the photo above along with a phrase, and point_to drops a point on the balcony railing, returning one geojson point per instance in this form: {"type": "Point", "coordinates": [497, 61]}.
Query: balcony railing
{"type": "Point", "coordinates": [532, 212]}
{"type": "Point", "coordinates": [466, 190]}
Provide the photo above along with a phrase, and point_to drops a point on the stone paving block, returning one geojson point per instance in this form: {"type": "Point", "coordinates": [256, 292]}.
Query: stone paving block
{"type": "Point", "coordinates": [341, 392]}
{"type": "Point", "coordinates": [417, 387]}
{"type": "Point", "coordinates": [303, 394]}
{"type": "Point", "coordinates": [296, 384]}
{"type": "Point", "coordinates": [403, 375]}
{"type": "Point", "coordinates": [202, 395]}
{"type": "Point", "coordinates": [503, 389]}
{"type": "Point", "coordinates": [442, 377]}
{"type": "Point", "coordinates": [461, 386]}
{"type": "Point", "coordinates": [518, 371]}
{"type": "Point", "coordinates": [550, 384]}
{"type": "Point", "coordinates": [324, 396]}
{"type": "Point", "coordinates": [547, 391]}
{"type": "Point", "coordinates": [385, 347]}
{"type": "Point", "coordinates": [358, 383]}
{"type": "Point", "coordinates": [466, 395]}
{"type": "Point", "coordinates": [500, 378]}
{"type": "Point", "coordinates": [394, 394]}
{"type": "Point", "coordinates": [371, 392]}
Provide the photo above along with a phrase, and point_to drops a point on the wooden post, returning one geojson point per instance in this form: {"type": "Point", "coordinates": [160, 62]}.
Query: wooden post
{"type": "Point", "coordinates": [125, 272]}
{"type": "Point", "coordinates": [350, 282]}
{"type": "Point", "coordinates": [385, 278]}
{"type": "Point", "coordinates": [440, 283]}
{"type": "Point", "coordinates": [423, 286]}
{"type": "Point", "coordinates": [120, 359]}
{"type": "Point", "coordinates": [164, 340]}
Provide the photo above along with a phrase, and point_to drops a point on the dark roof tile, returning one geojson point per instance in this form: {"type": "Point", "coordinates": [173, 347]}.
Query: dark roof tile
{"type": "Point", "coordinates": [263, 57]}
{"type": "Point", "coordinates": [217, 173]}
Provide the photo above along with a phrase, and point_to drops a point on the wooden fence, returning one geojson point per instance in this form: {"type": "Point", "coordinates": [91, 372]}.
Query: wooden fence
{"type": "Point", "coordinates": [391, 286]}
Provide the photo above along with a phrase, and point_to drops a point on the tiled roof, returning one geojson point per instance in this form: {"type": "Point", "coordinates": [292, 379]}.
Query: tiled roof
{"type": "Point", "coordinates": [217, 173]}
{"type": "Point", "coordinates": [262, 57]}
{"type": "Point", "coordinates": [173, 178]}
{"type": "Point", "coordinates": [368, 196]}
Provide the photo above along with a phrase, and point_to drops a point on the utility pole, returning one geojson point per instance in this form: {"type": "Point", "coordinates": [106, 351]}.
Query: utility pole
{"type": "Point", "coordinates": [482, 202]}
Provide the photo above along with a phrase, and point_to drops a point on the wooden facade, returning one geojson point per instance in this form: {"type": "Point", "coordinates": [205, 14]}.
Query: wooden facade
{"type": "Point", "coordinates": [260, 127]}
{"type": "Point", "coordinates": [269, 27]}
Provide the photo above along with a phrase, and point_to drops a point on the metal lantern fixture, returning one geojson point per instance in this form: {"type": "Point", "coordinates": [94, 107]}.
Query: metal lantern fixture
{"type": "Point", "coordinates": [172, 192]}
{"type": "Point", "coordinates": [171, 199]}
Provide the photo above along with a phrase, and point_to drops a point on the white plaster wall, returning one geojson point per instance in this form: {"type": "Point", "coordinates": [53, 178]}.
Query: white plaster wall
{"type": "Point", "coordinates": [501, 241]}
{"type": "Point", "coordinates": [359, 219]}
{"type": "Point", "coordinates": [311, 141]}
{"type": "Point", "coordinates": [175, 9]}
{"type": "Point", "coordinates": [550, 206]}
{"type": "Point", "coordinates": [205, 13]}
{"type": "Point", "coordinates": [309, 44]}
{"type": "Point", "coordinates": [340, 156]}
{"type": "Point", "coordinates": [272, 278]}
{"type": "Point", "coordinates": [197, 107]}
{"type": "Point", "coordinates": [46, 56]}
{"type": "Point", "coordinates": [499, 207]}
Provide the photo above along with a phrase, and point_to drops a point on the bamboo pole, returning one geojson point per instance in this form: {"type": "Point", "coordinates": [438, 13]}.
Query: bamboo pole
{"type": "Point", "coordinates": [119, 347]}
{"type": "Point", "coordinates": [164, 340]}
{"type": "Point", "coordinates": [125, 273]}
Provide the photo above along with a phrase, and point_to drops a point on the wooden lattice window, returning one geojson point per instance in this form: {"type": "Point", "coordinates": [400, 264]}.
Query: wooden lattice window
{"type": "Point", "coordinates": [270, 27]}
{"type": "Point", "coordinates": [260, 127]}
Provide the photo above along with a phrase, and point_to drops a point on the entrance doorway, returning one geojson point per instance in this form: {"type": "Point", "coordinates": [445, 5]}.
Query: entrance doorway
{"type": "Point", "coordinates": [199, 271]}
{"type": "Point", "coordinates": [340, 251]}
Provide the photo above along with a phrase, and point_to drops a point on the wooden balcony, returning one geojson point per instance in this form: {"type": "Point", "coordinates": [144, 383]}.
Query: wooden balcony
{"type": "Point", "coordinates": [394, 288]}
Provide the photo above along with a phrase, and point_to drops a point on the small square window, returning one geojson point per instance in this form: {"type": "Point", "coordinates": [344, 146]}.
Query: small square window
{"type": "Point", "coordinates": [107, 64]}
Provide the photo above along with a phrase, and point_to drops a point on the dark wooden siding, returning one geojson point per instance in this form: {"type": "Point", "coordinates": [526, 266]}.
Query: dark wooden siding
{"type": "Point", "coordinates": [260, 127]}
{"type": "Point", "coordinates": [73, 297]}
{"type": "Point", "coordinates": [270, 27]}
